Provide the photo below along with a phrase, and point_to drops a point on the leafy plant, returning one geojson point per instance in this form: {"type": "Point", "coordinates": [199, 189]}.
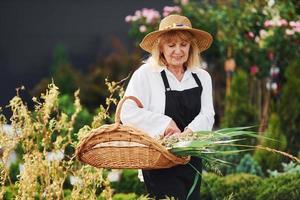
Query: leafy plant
{"type": "Point", "coordinates": [280, 187]}
{"type": "Point", "coordinates": [249, 165]}
{"type": "Point", "coordinates": [289, 107]}
{"type": "Point", "coordinates": [241, 186]}
{"type": "Point", "coordinates": [120, 196]}
{"type": "Point", "coordinates": [238, 110]}
{"type": "Point", "coordinates": [129, 182]}
{"type": "Point", "coordinates": [207, 183]}
{"type": "Point", "coordinates": [43, 138]}
{"type": "Point", "coordinates": [290, 167]}
{"type": "Point", "coordinates": [269, 160]}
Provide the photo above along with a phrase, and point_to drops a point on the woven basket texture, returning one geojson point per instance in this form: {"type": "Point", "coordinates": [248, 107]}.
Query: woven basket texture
{"type": "Point", "coordinates": [119, 146]}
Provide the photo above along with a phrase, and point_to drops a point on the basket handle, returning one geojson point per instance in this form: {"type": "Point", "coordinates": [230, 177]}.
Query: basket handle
{"type": "Point", "coordinates": [120, 104]}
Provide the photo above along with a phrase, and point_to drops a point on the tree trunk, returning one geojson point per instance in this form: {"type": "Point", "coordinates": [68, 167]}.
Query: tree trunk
{"type": "Point", "coordinates": [265, 110]}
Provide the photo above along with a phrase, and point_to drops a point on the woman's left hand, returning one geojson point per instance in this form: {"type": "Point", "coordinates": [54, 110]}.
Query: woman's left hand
{"type": "Point", "coordinates": [187, 132]}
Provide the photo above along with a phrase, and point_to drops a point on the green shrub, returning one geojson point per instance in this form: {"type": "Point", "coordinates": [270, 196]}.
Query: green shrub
{"type": "Point", "coordinates": [240, 186]}
{"type": "Point", "coordinates": [14, 171]}
{"type": "Point", "coordinates": [286, 186]}
{"type": "Point", "coordinates": [290, 167]}
{"type": "Point", "coordinates": [289, 107]}
{"type": "Point", "coordinates": [10, 193]}
{"type": "Point", "coordinates": [208, 180]}
{"type": "Point", "coordinates": [121, 196]}
{"type": "Point", "coordinates": [249, 165]}
{"type": "Point", "coordinates": [266, 159]}
{"type": "Point", "coordinates": [128, 183]}
{"type": "Point", "coordinates": [238, 108]}
{"type": "Point", "coordinates": [67, 194]}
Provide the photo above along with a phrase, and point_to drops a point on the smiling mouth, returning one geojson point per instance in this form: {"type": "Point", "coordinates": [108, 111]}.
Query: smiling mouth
{"type": "Point", "coordinates": [177, 57]}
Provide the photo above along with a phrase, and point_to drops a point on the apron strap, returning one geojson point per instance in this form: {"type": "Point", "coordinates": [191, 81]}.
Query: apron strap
{"type": "Point", "coordinates": [165, 80]}
{"type": "Point", "coordinates": [197, 79]}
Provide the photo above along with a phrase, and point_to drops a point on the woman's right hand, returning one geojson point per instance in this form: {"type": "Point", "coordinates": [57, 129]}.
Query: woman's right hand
{"type": "Point", "coordinates": [172, 129]}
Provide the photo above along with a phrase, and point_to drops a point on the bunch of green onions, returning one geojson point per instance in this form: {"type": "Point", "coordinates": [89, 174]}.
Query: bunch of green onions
{"type": "Point", "coordinates": [205, 144]}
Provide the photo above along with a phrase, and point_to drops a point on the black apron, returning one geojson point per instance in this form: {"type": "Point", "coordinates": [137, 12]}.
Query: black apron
{"type": "Point", "coordinates": [182, 107]}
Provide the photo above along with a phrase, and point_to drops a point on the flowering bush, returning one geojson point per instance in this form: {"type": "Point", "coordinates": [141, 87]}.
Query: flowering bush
{"type": "Point", "coordinates": [143, 22]}
{"type": "Point", "coordinates": [247, 32]}
{"type": "Point", "coordinates": [147, 20]}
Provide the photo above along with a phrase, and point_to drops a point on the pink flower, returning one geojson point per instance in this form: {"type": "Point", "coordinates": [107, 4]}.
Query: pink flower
{"type": "Point", "coordinates": [138, 13]}
{"type": "Point", "coordinates": [289, 32]}
{"type": "Point", "coordinates": [171, 10]}
{"type": "Point", "coordinates": [295, 24]}
{"type": "Point", "coordinates": [271, 55]}
{"type": "Point", "coordinates": [268, 23]}
{"type": "Point", "coordinates": [254, 69]}
{"type": "Point", "coordinates": [283, 22]}
{"type": "Point", "coordinates": [275, 22]}
{"type": "Point", "coordinates": [128, 18]}
{"type": "Point", "coordinates": [151, 15]}
{"type": "Point", "coordinates": [297, 29]}
{"type": "Point", "coordinates": [251, 34]}
{"type": "Point", "coordinates": [143, 28]}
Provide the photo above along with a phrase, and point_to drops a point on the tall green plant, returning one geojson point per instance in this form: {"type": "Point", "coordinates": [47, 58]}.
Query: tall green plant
{"type": "Point", "coordinates": [45, 135]}
{"type": "Point", "coordinates": [269, 160]}
{"type": "Point", "coordinates": [289, 107]}
{"type": "Point", "coordinates": [238, 110]}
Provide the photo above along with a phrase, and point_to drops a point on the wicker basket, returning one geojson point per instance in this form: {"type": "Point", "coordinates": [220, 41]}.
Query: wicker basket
{"type": "Point", "coordinates": [118, 146]}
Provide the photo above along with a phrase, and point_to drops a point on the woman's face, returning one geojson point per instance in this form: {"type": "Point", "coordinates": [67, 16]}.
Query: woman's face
{"type": "Point", "coordinates": [176, 52]}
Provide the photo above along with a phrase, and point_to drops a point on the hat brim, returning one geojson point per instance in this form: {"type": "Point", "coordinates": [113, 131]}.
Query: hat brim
{"type": "Point", "coordinates": [203, 38]}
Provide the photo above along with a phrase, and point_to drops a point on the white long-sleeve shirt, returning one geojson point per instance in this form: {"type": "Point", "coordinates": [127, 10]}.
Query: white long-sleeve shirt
{"type": "Point", "coordinates": [146, 84]}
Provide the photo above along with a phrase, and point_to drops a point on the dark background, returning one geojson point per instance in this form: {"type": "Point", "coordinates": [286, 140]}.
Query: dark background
{"type": "Point", "coordinates": [31, 29]}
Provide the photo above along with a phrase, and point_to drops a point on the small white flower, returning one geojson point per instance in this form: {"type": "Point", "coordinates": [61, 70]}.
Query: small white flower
{"type": "Point", "coordinates": [274, 86]}
{"type": "Point", "coordinates": [12, 158]}
{"type": "Point", "coordinates": [134, 18]}
{"type": "Point", "coordinates": [114, 175]}
{"type": "Point", "coordinates": [263, 33]}
{"type": "Point", "coordinates": [138, 13]}
{"type": "Point", "coordinates": [143, 28]}
{"type": "Point", "coordinates": [271, 3]}
{"type": "Point", "coordinates": [128, 18]}
{"type": "Point", "coordinates": [21, 168]}
{"type": "Point", "coordinates": [74, 180]}
{"type": "Point", "coordinates": [10, 131]}
{"type": "Point", "coordinates": [268, 84]}
{"type": "Point", "coordinates": [289, 32]}
{"type": "Point", "coordinates": [55, 156]}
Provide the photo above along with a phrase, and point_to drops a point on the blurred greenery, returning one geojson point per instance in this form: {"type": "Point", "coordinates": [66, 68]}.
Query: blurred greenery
{"type": "Point", "coordinates": [129, 182]}
{"type": "Point", "coordinates": [289, 107]}
{"type": "Point", "coordinates": [249, 165]}
{"type": "Point", "coordinates": [269, 160]}
{"type": "Point", "coordinates": [246, 187]}
{"type": "Point", "coordinates": [280, 188]}
{"type": "Point", "coordinates": [242, 186]}
{"type": "Point", "coordinates": [238, 109]}
{"type": "Point", "coordinates": [240, 31]}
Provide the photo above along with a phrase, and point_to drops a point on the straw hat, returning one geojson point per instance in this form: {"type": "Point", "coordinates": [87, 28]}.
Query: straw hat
{"type": "Point", "coordinates": [177, 22]}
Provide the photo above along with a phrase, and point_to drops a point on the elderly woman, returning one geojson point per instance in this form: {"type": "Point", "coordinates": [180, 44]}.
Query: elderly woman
{"type": "Point", "coordinates": [177, 97]}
